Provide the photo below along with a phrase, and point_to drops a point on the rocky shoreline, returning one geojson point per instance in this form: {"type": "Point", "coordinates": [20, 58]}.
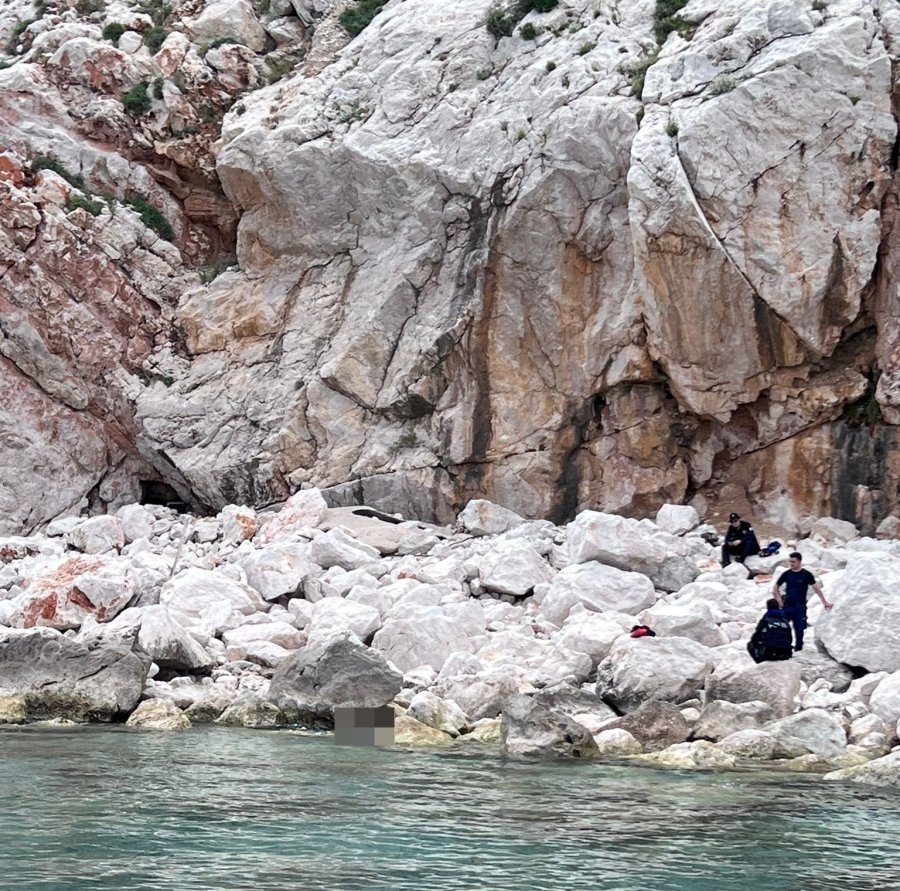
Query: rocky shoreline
{"type": "Point", "coordinates": [500, 631]}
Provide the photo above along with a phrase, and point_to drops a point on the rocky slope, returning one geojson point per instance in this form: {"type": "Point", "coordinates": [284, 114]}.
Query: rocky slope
{"type": "Point", "coordinates": [498, 632]}
{"type": "Point", "coordinates": [604, 261]}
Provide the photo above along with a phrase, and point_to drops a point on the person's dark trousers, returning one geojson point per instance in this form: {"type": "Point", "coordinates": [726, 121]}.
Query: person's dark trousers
{"type": "Point", "coordinates": [796, 615]}
{"type": "Point", "coordinates": [747, 550]}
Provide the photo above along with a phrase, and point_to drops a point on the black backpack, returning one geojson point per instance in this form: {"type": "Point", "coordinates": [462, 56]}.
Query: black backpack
{"type": "Point", "coordinates": [776, 632]}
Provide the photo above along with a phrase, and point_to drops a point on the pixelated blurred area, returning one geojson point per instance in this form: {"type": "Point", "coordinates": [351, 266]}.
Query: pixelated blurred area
{"type": "Point", "coordinates": [364, 726]}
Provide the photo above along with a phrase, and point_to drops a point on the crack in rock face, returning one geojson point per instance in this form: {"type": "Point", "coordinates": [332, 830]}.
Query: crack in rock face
{"type": "Point", "coordinates": [576, 271]}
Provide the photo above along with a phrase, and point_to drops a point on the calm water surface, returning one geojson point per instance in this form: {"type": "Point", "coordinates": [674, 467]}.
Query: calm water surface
{"type": "Point", "coordinates": [228, 809]}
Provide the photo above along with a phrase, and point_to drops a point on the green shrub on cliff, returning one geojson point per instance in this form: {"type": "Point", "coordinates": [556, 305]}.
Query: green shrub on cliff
{"type": "Point", "coordinates": [666, 19]}
{"type": "Point", "coordinates": [355, 18]}
{"type": "Point", "coordinates": [501, 21]}
{"type": "Point", "coordinates": [136, 101]}
{"type": "Point", "coordinates": [113, 31]}
{"type": "Point", "coordinates": [151, 217]}
{"type": "Point", "coordinates": [51, 162]}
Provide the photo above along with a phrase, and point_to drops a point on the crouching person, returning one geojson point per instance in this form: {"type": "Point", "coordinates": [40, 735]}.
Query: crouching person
{"type": "Point", "coordinates": [771, 641]}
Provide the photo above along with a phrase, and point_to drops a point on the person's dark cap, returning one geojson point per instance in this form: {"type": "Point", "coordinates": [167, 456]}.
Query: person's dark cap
{"type": "Point", "coordinates": [734, 517]}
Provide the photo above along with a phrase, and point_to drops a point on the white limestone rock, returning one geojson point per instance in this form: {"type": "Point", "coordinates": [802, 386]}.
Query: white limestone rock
{"type": "Point", "coordinates": [632, 546]}
{"type": "Point", "coordinates": [677, 519]}
{"type": "Point", "coordinates": [513, 568]}
{"type": "Point", "coordinates": [885, 699]}
{"type": "Point", "coordinates": [863, 628]}
{"type": "Point", "coordinates": [739, 679]}
{"type": "Point", "coordinates": [616, 743]}
{"type": "Point", "coordinates": [98, 535]}
{"type": "Point", "coordinates": [337, 548]}
{"type": "Point", "coordinates": [158, 714]}
{"type": "Point", "coordinates": [597, 587]}
{"type": "Point", "coordinates": [276, 570]}
{"type": "Point", "coordinates": [482, 517]}
{"type": "Point", "coordinates": [668, 669]}
{"type": "Point", "coordinates": [814, 731]}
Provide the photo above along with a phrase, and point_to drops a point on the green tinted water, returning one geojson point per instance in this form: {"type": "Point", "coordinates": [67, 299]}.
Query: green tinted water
{"type": "Point", "coordinates": [226, 809]}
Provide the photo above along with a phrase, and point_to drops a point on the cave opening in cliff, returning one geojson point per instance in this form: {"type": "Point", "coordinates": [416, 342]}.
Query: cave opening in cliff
{"type": "Point", "coordinates": [158, 492]}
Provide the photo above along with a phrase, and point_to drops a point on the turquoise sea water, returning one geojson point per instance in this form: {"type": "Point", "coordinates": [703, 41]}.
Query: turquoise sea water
{"type": "Point", "coordinates": [215, 808]}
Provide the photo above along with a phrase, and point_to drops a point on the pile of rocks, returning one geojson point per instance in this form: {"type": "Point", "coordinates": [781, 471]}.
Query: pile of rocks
{"type": "Point", "coordinates": [500, 631]}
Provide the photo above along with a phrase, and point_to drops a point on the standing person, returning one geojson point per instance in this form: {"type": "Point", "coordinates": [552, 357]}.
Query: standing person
{"type": "Point", "coordinates": [740, 541]}
{"type": "Point", "coordinates": [771, 641]}
{"type": "Point", "coordinates": [797, 582]}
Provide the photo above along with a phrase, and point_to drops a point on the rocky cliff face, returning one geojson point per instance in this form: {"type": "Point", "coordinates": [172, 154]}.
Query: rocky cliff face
{"type": "Point", "coordinates": [560, 268]}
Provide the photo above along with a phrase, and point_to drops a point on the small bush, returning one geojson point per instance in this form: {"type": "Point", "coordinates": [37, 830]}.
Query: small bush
{"type": "Point", "coordinates": [219, 41]}
{"type": "Point", "coordinates": [158, 10]}
{"type": "Point", "coordinates": [499, 23]}
{"type": "Point", "coordinates": [154, 37]}
{"type": "Point", "coordinates": [158, 84]}
{"type": "Point", "coordinates": [74, 202]}
{"type": "Point", "coordinates": [18, 31]}
{"type": "Point", "coordinates": [136, 101]}
{"type": "Point", "coordinates": [550, 66]}
{"type": "Point", "coordinates": [151, 217]}
{"type": "Point", "coordinates": [355, 18]}
{"type": "Point", "coordinates": [722, 84]}
{"type": "Point", "coordinates": [483, 73]}
{"type": "Point", "coordinates": [666, 19]}
{"type": "Point", "coordinates": [405, 441]}
{"type": "Point", "coordinates": [672, 128]}
{"type": "Point", "coordinates": [637, 73]}
{"type": "Point", "coordinates": [279, 67]}
{"type": "Point", "coordinates": [586, 47]}
{"type": "Point", "coordinates": [528, 31]}
{"type": "Point", "coordinates": [113, 31]}
{"type": "Point", "coordinates": [820, 5]}
{"type": "Point", "coordinates": [89, 7]}
{"type": "Point", "coordinates": [526, 6]}
{"type": "Point", "coordinates": [51, 162]}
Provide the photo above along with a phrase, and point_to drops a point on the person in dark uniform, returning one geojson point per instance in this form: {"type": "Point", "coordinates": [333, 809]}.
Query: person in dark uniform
{"type": "Point", "coordinates": [771, 642]}
{"type": "Point", "coordinates": [796, 582]}
{"type": "Point", "coordinates": [740, 541]}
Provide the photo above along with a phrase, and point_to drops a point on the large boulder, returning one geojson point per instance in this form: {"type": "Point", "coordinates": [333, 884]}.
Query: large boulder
{"type": "Point", "coordinates": [427, 635]}
{"type": "Point", "coordinates": [654, 725]}
{"type": "Point", "coordinates": [671, 669]}
{"type": "Point", "coordinates": [208, 601]}
{"type": "Point", "coordinates": [815, 664]}
{"type": "Point", "coordinates": [98, 535]}
{"type": "Point", "coordinates": [696, 755]}
{"type": "Point", "coordinates": [691, 620]}
{"type": "Point", "coordinates": [880, 772]}
{"type": "Point", "coordinates": [334, 614]}
{"type": "Point", "coordinates": [814, 731]}
{"type": "Point", "coordinates": [596, 587]}
{"type": "Point", "coordinates": [158, 714]}
{"type": "Point", "coordinates": [588, 632]}
{"type": "Point", "coordinates": [277, 569]}
{"type": "Point", "coordinates": [831, 531]}
{"type": "Point", "coordinates": [303, 511]}
{"type": "Point", "coordinates": [719, 719]}
{"type": "Point", "coordinates": [632, 545]}
{"type": "Point", "coordinates": [335, 672]}
{"type": "Point", "coordinates": [676, 519]}
{"type": "Point", "coordinates": [481, 694]}
{"type": "Point", "coordinates": [98, 680]}
{"type": "Point", "coordinates": [63, 592]}
{"type": "Point", "coordinates": [750, 744]}
{"type": "Point", "coordinates": [481, 517]}
{"type": "Point", "coordinates": [528, 727]}
{"type": "Point", "coordinates": [885, 699]}
{"type": "Point", "coordinates": [513, 567]}
{"type": "Point", "coordinates": [739, 679]}
{"type": "Point", "coordinates": [169, 643]}
{"type": "Point", "coordinates": [338, 548]}
{"type": "Point", "coordinates": [863, 628]}
{"type": "Point", "coordinates": [441, 714]}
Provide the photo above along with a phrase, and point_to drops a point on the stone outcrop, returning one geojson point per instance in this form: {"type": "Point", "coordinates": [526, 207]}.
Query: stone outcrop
{"type": "Point", "coordinates": [60, 678]}
{"type": "Point", "coordinates": [577, 271]}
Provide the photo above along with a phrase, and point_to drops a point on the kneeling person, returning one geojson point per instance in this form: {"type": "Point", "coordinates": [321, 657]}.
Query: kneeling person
{"type": "Point", "coordinates": [771, 641]}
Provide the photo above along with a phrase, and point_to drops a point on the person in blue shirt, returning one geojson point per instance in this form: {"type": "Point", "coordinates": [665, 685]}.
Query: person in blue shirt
{"type": "Point", "coordinates": [796, 582]}
{"type": "Point", "coordinates": [772, 639]}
